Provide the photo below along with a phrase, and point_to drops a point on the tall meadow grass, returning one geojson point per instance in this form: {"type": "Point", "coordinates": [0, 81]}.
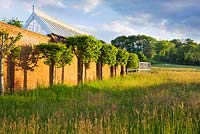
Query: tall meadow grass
{"type": "Point", "coordinates": [158, 102]}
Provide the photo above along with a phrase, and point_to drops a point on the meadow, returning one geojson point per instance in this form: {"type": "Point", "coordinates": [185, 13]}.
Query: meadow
{"type": "Point", "coordinates": [161, 101]}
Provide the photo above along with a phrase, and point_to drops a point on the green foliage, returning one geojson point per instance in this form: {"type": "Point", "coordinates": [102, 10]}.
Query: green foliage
{"type": "Point", "coordinates": [15, 22]}
{"type": "Point", "coordinates": [8, 43]}
{"type": "Point", "coordinates": [142, 57]}
{"type": "Point", "coordinates": [177, 42]}
{"type": "Point", "coordinates": [120, 42]}
{"type": "Point", "coordinates": [162, 47]}
{"type": "Point", "coordinates": [15, 53]}
{"type": "Point", "coordinates": [133, 60]}
{"type": "Point", "coordinates": [193, 55]}
{"type": "Point", "coordinates": [66, 56]}
{"type": "Point", "coordinates": [55, 53]}
{"type": "Point", "coordinates": [175, 51]}
{"type": "Point", "coordinates": [51, 52]}
{"type": "Point", "coordinates": [87, 48]}
{"type": "Point", "coordinates": [164, 51]}
{"type": "Point", "coordinates": [135, 44]}
{"type": "Point", "coordinates": [108, 54]}
{"type": "Point", "coordinates": [172, 55]}
{"type": "Point", "coordinates": [122, 57]}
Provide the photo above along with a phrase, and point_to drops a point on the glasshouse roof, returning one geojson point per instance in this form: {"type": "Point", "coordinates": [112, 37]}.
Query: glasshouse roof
{"type": "Point", "coordinates": [44, 24]}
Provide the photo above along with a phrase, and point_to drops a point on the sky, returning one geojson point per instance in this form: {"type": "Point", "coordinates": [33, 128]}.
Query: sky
{"type": "Point", "coordinates": [107, 19]}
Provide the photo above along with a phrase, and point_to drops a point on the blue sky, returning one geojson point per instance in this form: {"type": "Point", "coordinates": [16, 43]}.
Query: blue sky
{"type": "Point", "coordinates": [107, 19]}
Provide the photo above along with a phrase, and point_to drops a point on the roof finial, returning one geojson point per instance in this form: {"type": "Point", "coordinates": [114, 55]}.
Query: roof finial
{"type": "Point", "coordinates": [33, 8]}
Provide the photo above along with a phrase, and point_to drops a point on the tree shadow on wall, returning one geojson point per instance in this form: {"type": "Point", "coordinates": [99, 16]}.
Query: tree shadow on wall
{"type": "Point", "coordinates": [27, 62]}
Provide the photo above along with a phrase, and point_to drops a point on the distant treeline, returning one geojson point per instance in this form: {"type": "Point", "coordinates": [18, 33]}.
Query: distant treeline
{"type": "Point", "coordinates": [176, 51]}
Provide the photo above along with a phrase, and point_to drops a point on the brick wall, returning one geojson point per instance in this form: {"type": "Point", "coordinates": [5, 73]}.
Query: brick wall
{"type": "Point", "coordinates": [105, 72]}
{"type": "Point", "coordinates": [40, 75]}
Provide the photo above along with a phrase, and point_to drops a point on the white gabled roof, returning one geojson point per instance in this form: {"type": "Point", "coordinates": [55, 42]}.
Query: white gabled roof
{"type": "Point", "coordinates": [52, 25]}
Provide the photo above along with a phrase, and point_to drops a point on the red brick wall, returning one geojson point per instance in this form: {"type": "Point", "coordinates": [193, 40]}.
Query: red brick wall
{"type": "Point", "coordinates": [40, 75]}
{"type": "Point", "coordinates": [106, 72]}
{"type": "Point", "coordinates": [91, 72]}
{"type": "Point", "coordinates": [118, 70]}
{"type": "Point", "coordinates": [70, 73]}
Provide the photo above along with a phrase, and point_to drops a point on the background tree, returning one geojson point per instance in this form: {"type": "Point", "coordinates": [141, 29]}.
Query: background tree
{"type": "Point", "coordinates": [162, 49]}
{"type": "Point", "coordinates": [193, 56]}
{"type": "Point", "coordinates": [178, 43]}
{"type": "Point", "coordinates": [120, 42]}
{"type": "Point", "coordinates": [86, 49]}
{"type": "Point", "coordinates": [136, 44]}
{"type": "Point", "coordinates": [14, 22]}
{"type": "Point", "coordinates": [7, 45]}
{"type": "Point", "coordinates": [148, 48]}
{"type": "Point", "coordinates": [53, 53]}
{"type": "Point", "coordinates": [142, 57]}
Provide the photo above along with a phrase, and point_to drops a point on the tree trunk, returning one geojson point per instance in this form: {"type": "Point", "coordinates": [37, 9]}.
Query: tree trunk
{"type": "Point", "coordinates": [63, 74]}
{"type": "Point", "coordinates": [10, 74]}
{"type": "Point", "coordinates": [111, 71]}
{"type": "Point", "coordinates": [99, 70]}
{"type": "Point", "coordinates": [115, 69]}
{"type": "Point", "coordinates": [1, 75]}
{"type": "Point", "coordinates": [80, 71]}
{"type": "Point", "coordinates": [122, 70]}
{"type": "Point", "coordinates": [25, 79]}
{"type": "Point", "coordinates": [85, 72]}
{"type": "Point", "coordinates": [51, 74]}
{"type": "Point", "coordinates": [126, 70]}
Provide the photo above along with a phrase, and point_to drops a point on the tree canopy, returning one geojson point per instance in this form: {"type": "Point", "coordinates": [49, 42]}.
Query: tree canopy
{"type": "Point", "coordinates": [55, 54]}
{"type": "Point", "coordinates": [108, 54]}
{"type": "Point", "coordinates": [14, 22]}
{"type": "Point", "coordinates": [132, 61]}
{"type": "Point", "coordinates": [135, 44]}
{"type": "Point", "coordinates": [85, 47]}
{"type": "Point", "coordinates": [178, 51]}
{"type": "Point", "coordinates": [122, 57]}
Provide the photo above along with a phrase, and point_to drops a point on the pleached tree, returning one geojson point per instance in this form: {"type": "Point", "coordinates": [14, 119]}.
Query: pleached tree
{"type": "Point", "coordinates": [109, 56]}
{"type": "Point", "coordinates": [86, 49]}
{"type": "Point", "coordinates": [122, 59]}
{"type": "Point", "coordinates": [55, 54]}
{"type": "Point", "coordinates": [7, 46]}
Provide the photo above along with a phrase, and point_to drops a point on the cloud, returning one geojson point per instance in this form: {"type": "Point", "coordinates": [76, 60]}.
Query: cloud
{"type": "Point", "coordinates": [179, 4]}
{"type": "Point", "coordinates": [96, 13]}
{"type": "Point", "coordinates": [118, 27]}
{"type": "Point", "coordinates": [57, 3]}
{"type": "Point", "coordinates": [41, 3]}
{"type": "Point", "coordinates": [171, 18]}
{"type": "Point", "coordinates": [140, 19]}
{"type": "Point", "coordinates": [88, 29]}
{"type": "Point", "coordinates": [110, 30]}
{"type": "Point", "coordinates": [6, 4]}
{"type": "Point", "coordinates": [87, 5]}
